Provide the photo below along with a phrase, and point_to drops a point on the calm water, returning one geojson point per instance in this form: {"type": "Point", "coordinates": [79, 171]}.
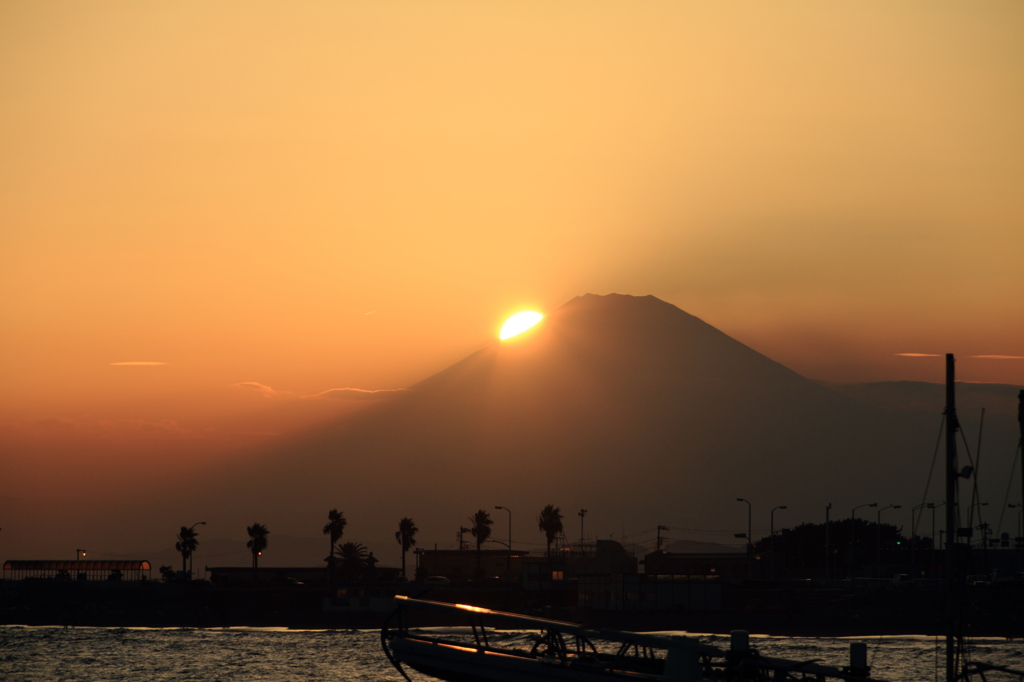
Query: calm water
{"type": "Point", "coordinates": [152, 655]}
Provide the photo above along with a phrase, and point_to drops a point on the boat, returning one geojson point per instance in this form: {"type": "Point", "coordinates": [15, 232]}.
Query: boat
{"type": "Point", "coordinates": [562, 651]}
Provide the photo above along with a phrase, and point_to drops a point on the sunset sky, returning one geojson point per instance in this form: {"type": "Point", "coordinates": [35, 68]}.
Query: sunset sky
{"type": "Point", "coordinates": [215, 213]}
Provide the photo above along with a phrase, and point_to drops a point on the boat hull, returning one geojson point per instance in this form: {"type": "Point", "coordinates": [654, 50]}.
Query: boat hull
{"type": "Point", "coordinates": [467, 664]}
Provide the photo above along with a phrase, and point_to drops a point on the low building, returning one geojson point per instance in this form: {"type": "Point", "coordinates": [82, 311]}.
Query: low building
{"type": "Point", "coordinates": [78, 570]}
{"type": "Point", "coordinates": [458, 565]}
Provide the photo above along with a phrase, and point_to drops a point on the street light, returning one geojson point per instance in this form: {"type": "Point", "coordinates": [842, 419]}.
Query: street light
{"type": "Point", "coordinates": [79, 553]}
{"type": "Point", "coordinates": [581, 514]}
{"type": "Point", "coordinates": [750, 539]}
{"type": "Point", "coordinates": [913, 532]}
{"type": "Point", "coordinates": [198, 523]}
{"type": "Point", "coordinates": [878, 527]}
{"type": "Point", "coordinates": [933, 507]}
{"type": "Point", "coordinates": [828, 524]}
{"type": "Point", "coordinates": [853, 532]}
{"type": "Point", "coordinates": [508, 560]}
{"type": "Point", "coordinates": [773, 539]}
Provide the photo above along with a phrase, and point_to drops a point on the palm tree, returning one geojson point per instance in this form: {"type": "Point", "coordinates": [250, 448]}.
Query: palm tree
{"type": "Point", "coordinates": [406, 537]}
{"type": "Point", "coordinates": [481, 530]}
{"type": "Point", "coordinates": [353, 560]}
{"type": "Point", "coordinates": [186, 544]}
{"type": "Point", "coordinates": [550, 521]}
{"type": "Point", "coordinates": [257, 542]}
{"type": "Point", "coordinates": [335, 527]}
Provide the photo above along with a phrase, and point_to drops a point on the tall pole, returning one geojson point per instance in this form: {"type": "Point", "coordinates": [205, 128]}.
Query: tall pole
{"type": "Point", "coordinates": [878, 528]}
{"type": "Point", "coordinates": [198, 523]}
{"type": "Point", "coordinates": [508, 559]}
{"type": "Point", "coordinates": [750, 541]}
{"type": "Point", "coordinates": [913, 534]}
{"type": "Point", "coordinates": [936, 541]}
{"type": "Point", "coordinates": [853, 526]}
{"type": "Point", "coordinates": [660, 528]}
{"type": "Point", "coordinates": [952, 579]}
{"type": "Point", "coordinates": [827, 509]}
{"type": "Point", "coordinates": [582, 513]}
{"type": "Point", "coordinates": [773, 540]}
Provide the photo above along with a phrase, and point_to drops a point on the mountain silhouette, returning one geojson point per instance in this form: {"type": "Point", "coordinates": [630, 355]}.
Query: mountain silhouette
{"type": "Point", "coordinates": [623, 405]}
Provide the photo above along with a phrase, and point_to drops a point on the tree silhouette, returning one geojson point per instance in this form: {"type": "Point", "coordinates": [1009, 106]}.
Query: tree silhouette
{"type": "Point", "coordinates": [406, 537]}
{"type": "Point", "coordinates": [186, 544]}
{"type": "Point", "coordinates": [335, 527]}
{"type": "Point", "coordinates": [480, 527]}
{"type": "Point", "coordinates": [353, 560]}
{"type": "Point", "coordinates": [257, 542]}
{"type": "Point", "coordinates": [550, 521]}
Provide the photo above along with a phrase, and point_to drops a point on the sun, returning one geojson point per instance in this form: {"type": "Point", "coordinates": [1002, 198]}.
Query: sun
{"type": "Point", "coordinates": [519, 323]}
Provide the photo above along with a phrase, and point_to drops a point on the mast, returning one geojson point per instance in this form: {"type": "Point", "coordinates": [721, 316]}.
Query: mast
{"type": "Point", "coordinates": [1020, 421]}
{"type": "Point", "coordinates": [952, 577]}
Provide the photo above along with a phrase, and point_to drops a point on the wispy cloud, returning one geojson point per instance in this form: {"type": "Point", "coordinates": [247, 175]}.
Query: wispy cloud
{"type": "Point", "coordinates": [919, 355]}
{"type": "Point", "coordinates": [998, 357]}
{"type": "Point", "coordinates": [262, 389]}
{"type": "Point", "coordinates": [358, 393]}
{"type": "Point", "coordinates": [332, 393]}
{"type": "Point", "coordinates": [145, 363]}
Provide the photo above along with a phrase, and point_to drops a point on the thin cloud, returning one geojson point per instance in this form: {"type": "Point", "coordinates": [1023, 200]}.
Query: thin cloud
{"type": "Point", "coordinates": [137, 364]}
{"type": "Point", "coordinates": [919, 355]}
{"type": "Point", "coordinates": [262, 389]}
{"type": "Point", "coordinates": [998, 357]}
{"type": "Point", "coordinates": [358, 393]}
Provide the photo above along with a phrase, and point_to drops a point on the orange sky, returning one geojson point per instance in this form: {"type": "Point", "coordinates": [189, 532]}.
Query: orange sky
{"type": "Point", "coordinates": [307, 196]}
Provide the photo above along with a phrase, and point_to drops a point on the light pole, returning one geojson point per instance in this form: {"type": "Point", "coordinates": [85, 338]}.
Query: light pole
{"type": "Point", "coordinates": [773, 539]}
{"type": "Point", "coordinates": [853, 533]}
{"type": "Point", "coordinates": [827, 523]}
{"type": "Point", "coordinates": [79, 553]}
{"type": "Point", "coordinates": [933, 507]}
{"type": "Point", "coordinates": [878, 527]}
{"type": "Point", "coordinates": [581, 514]}
{"type": "Point", "coordinates": [1017, 539]}
{"type": "Point", "coordinates": [913, 534]}
{"type": "Point", "coordinates": [198, 523]}
{"type": "Point", "coordinates": [508, 561]}
{"type": "Point", "coordinates": [750, 540]}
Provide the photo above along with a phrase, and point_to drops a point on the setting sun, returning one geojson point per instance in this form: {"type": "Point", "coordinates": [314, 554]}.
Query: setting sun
{"type": "Point", "coordinates": [519, 323]}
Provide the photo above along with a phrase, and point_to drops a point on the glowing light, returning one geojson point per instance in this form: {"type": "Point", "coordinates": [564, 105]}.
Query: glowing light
{"type": "Point", "coordinates": [519, 323]}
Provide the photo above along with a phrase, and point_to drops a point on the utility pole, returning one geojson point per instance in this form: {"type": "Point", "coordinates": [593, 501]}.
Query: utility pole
{"type": "Point", "coordinates": [582, 513]}
{"type": "Point", "coordinates": [660, 528]}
